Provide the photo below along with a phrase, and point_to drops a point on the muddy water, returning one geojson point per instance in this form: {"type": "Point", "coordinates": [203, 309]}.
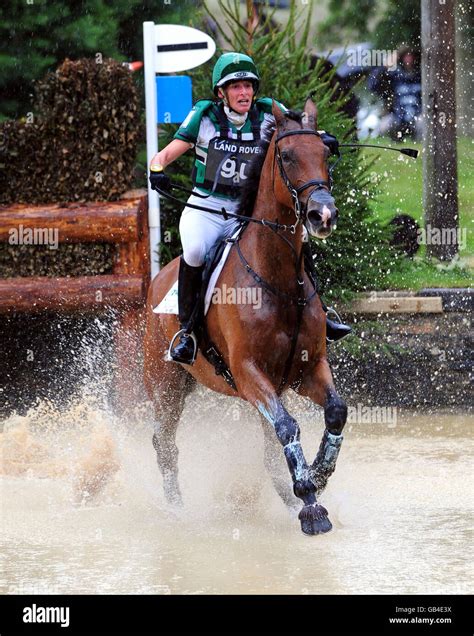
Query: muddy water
{"type": "Point", "coordinates": [83, 511]}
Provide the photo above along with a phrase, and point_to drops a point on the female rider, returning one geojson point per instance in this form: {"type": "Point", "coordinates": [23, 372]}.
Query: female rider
{"type": "Point", "coordinates": [237, 115]}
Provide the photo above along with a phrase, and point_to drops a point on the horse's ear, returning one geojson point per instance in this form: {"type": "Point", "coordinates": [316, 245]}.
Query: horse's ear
{"type": "Point", "coordinates": [278, 114]}
{"type": "Point", "coordinates": [311, 113]}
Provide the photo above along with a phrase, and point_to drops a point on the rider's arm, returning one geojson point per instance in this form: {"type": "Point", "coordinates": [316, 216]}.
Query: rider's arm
{"type": "Point", "coordinates": [170, 153]}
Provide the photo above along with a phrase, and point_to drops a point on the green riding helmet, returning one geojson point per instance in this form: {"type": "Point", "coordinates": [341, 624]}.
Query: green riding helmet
{"type": "Point", "coordinates": [233, 67]}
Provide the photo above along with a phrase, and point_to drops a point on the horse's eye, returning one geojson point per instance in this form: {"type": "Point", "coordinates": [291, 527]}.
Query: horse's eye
{"type": "Point", "coordinates": [286, 156]}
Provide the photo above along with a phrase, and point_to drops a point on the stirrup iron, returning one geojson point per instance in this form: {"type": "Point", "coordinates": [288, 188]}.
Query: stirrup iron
{"type": "Point", "coordinates": [191, 335]}
{"type": "Point", "coordinates": [338, 321]}
{"type": "Point", "coordinates": [331, 310]}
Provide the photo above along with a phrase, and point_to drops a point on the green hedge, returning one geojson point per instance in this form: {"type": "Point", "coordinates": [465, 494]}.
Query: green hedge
{"type": "Point", "coordinates": [81, 140]}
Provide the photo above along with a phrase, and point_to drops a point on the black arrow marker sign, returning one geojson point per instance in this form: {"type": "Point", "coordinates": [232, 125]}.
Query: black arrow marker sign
{"type": "Point", "coordinates": [190, 46]}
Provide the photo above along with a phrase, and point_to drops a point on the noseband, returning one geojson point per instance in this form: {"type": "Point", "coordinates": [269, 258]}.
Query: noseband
{"type": "Point", "coordinates": [294, 192]}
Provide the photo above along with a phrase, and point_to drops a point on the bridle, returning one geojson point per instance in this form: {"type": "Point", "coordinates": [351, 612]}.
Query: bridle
{"type": "Point", "coordinates": [319, 184]}
{"type": "Point", "coordinates": [300, 217]}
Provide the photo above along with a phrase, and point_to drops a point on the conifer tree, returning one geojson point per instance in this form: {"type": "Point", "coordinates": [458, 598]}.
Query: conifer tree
{"type": "Point", "coordinates": [356, 257]}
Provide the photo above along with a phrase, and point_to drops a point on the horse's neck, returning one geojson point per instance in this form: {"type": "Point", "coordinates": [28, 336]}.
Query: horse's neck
{"type": "Point", "coordinates": [266, 206]}
{"type": "Point", "coordinates": [270, 253]}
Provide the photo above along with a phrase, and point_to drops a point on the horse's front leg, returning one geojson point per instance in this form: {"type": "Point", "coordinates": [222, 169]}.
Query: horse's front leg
{"type": "Point", "coordinates": [275, 464]}
{"type": "Point", "coordinates": [255, 387]}
{"type": "Point", "coordinates": [318, 386]}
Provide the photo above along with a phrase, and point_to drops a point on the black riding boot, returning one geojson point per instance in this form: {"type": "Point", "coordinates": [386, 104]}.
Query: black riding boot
{"type": "Point", "coordinates": [189, 287]}
{"type": "Point", "coordinates": [334, 330]}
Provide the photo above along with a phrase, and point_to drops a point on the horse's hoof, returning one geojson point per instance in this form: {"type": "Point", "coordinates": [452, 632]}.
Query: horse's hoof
{"type": "Point", "coordinates": [314, 519]}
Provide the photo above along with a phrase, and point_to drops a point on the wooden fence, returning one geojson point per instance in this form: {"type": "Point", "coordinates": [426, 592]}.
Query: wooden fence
{"type": "Point", "coordinates": [123, 223]}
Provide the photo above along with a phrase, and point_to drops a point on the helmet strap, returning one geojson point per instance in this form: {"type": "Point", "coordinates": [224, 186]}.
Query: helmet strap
{"type": "Point", "coordinates": [226, 102]}
{"type": "Point", "coordinates": [224, 98]}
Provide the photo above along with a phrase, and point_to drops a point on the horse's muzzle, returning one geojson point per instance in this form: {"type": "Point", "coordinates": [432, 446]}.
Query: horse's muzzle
{"type": "Point", "coordinates": [321, 214]}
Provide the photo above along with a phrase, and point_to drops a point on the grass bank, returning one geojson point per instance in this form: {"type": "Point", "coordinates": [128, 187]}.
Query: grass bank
{"type": "Point", "coordinates": [400, 192]}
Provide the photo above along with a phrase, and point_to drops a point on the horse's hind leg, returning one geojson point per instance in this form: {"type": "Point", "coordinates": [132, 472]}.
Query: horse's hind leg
{"type": "Point", "coordinates": [167, 385]}
{"type": "Point", "coordinates": [169, 403]}
{"type": "Point", "coordinates": [275, 465]}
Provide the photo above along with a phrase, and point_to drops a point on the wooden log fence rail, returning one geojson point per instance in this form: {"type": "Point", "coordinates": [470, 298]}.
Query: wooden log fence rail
{"type": "Point", "coordinates": [123, 223]}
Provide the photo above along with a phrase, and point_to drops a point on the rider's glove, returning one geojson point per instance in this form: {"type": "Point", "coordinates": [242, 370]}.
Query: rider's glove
{"type": "Point", "coordinates": [158, 179]}
{"type": "Point", "coordinates": [330, 141]}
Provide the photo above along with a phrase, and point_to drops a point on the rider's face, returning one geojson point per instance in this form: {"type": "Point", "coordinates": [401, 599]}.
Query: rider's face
{"type": "Point", "coordinates": [239, 96]}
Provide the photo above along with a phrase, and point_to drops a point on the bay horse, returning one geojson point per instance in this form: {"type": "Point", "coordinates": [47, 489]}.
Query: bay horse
{"type": "Point", "coordinates": [281, 345]}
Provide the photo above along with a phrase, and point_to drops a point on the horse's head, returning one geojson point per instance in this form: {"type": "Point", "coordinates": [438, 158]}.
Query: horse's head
{"type": "Point", "coordinates": [301, 181]}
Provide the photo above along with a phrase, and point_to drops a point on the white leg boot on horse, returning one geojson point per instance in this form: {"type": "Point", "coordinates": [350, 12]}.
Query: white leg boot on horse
{"type": "Point", "coordinates": [276, 467]}
{"type": "Point", "coordinates": [319, 387]}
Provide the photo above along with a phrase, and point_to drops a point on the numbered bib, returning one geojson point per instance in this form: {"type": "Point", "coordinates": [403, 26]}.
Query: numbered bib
{"type": "Point", "coordinates": [227, 164]}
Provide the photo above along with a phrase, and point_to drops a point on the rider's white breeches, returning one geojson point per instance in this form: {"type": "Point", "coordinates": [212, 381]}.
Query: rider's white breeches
{"type": "Point", "coordinates": [200, 230]}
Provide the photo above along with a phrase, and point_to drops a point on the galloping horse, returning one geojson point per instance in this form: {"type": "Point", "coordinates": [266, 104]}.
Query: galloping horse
{"type": "Point", "coordinates": [279, 346]}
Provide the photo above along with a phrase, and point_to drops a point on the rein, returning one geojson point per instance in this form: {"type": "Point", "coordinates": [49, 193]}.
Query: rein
{"type": "Point", "coordinates": [318, 183]}
{"type": "Point", "coordinates": [222, 212]}
{"type": "Point", "coordinates": [273, 225]}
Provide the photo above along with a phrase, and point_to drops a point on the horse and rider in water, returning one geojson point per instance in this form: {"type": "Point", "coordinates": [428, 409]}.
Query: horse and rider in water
{"type": "Point", "coordinates": [262, 172]}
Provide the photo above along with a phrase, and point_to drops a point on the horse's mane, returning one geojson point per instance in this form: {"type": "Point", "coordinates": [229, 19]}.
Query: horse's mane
{"type": "Point", "coordinates": [250, 188]}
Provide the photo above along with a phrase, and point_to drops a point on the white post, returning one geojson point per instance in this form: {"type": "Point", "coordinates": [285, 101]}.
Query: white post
{"type": "Point", "coordinates": [151, 105]}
